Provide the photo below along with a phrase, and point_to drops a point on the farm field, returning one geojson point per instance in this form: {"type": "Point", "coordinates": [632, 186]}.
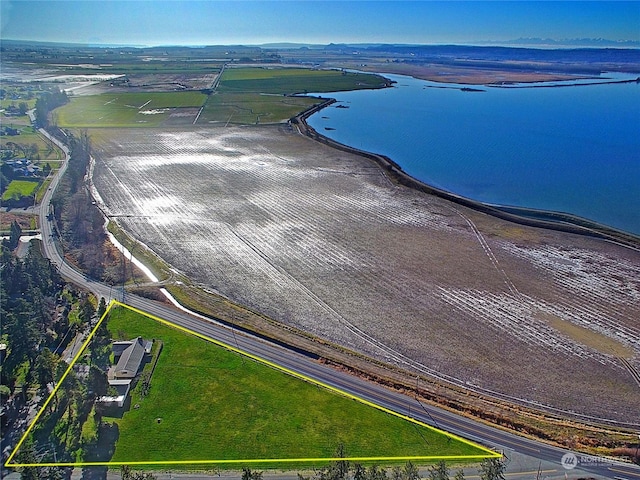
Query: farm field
{"type": "Point", "coordinates": [130, 109]}
{"type": "Point", "coordinates": [295, 80]}
{"type": "Point", "coordinates": [140, 79]}
{"type": "Point", "coordinates": [252, 108]}
{"type": "Point", "coordinates": [245, 96]}
{"type": "Point", "coordinates": [321, 240]}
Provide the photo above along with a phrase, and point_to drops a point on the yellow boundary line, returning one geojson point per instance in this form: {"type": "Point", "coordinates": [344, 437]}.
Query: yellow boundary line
{"type": "Point", "coordinates": [489, 453]}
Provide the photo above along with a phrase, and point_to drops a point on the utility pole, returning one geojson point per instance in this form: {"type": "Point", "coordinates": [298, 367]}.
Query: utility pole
{"type": "Point", "coordinates": [124, 273]}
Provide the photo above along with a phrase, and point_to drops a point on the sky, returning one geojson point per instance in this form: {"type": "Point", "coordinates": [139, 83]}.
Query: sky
{"type": "Point", "coordinates": [195, 22]}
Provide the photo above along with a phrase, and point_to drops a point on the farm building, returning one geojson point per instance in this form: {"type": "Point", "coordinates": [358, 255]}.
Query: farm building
{"type": "Point", "coordinates": [23, 167]}
{"type": "Point", "coordinates": [129, 357]}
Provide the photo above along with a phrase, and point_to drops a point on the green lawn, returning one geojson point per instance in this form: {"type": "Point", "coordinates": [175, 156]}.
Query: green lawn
{"type": "Point", "coordinates": [7, 102]}
{"type": "Point", "coordinates": [20, 188]}
{"type": "Point", "coordinates": [294, 80]}
{"type": "Point", "coordinates": [125, 109]}
{"type": "Point", "coordinates": [252, 108]}
{"type": "Point", "coordinates": [215, 404]}
{"type": "Point", "coordinates": [46, 149]}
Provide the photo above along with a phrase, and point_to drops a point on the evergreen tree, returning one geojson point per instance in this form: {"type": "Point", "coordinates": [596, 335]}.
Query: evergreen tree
{"type": "Point", "coordinates": [492, 469]}
{"type": "Point", "coordinates": [27, 456]}
{"type": "Point", "coordinates": [102, 307]}
{"type": "Point", "coordinates": [359, 472]}
{"type": "Point", "coordinates": [410, 472]}
{"type": "Point", "coordinates": [439, 471]}
{"type": "Point", "coordinates": [14, 235]}
{"type": "Point", "coordinates": [46, 367]}
{"type": "Point", "coordinates": [376, 473]}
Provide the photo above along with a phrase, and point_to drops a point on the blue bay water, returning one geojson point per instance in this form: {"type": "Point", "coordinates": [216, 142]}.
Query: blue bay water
{"type": "Point", "coordinates": [568, 149]}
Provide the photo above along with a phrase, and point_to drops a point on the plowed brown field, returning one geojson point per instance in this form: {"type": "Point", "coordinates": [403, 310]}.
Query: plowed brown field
{"type": "Point", "coordinates": [321, 240]}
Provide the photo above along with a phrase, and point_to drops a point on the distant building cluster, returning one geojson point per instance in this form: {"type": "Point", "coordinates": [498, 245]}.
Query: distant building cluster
{"type": "Point", "coordinates": [23, 167]}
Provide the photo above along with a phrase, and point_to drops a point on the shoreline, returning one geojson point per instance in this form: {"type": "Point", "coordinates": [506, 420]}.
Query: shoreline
{"type": "Point", "coordinates": [572, 84]}
{"type": "Point", "coordinates": [559, 221]}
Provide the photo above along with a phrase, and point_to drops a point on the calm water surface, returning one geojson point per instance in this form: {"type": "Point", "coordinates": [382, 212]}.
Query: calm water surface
{"type": "Point", "coordinates": [569, 149]}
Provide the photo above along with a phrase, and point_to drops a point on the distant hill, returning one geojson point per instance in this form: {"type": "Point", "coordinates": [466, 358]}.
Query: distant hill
{"type": "Point", "coordinates": [569, 42]}
{"type": "Point", "coordinates": [499, 53]}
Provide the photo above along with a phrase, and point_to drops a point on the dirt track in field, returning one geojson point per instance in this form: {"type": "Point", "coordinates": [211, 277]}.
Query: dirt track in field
{"type": "Point", "coordinates": [321, 240]}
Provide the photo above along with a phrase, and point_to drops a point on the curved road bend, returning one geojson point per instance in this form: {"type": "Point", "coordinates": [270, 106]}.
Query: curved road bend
{"type": "Point", "coordinates": [400, 403]}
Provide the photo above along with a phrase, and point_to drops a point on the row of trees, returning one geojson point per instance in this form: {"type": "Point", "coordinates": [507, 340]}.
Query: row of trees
{"type": "Point", "coordinates": [80, 222]}
{"type": "Point", "coordinates": [47, 102]}
{"type": "Point", "coordinates": [490, 469]}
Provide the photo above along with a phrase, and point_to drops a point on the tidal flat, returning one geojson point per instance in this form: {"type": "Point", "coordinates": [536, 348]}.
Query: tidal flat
{"type": "Point", "coordinates": [321, 240]}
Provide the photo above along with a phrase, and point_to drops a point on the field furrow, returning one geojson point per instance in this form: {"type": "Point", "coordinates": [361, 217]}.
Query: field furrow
{"type": "Point", "coordinates": [320, 240]}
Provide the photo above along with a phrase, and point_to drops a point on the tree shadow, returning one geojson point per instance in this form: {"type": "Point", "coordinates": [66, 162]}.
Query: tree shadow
{"type": "Point", "coordinates": [94, 473]}
{"type": "Point", "coordinates": [104, 449]}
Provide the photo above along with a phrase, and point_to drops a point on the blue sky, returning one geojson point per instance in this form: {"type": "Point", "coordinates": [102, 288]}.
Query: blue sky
{"type": "Point", "coordinates": [193, 22]}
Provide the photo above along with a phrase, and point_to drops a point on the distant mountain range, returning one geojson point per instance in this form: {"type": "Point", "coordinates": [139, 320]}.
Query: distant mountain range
{"type": "Point", "coordinates": [532, 42]}
{"type": "Point", "coordinates": [567, 42]}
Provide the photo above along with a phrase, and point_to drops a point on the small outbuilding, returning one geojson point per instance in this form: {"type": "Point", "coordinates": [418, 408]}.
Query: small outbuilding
{"type": "Point", "coordinates": [122, 388]}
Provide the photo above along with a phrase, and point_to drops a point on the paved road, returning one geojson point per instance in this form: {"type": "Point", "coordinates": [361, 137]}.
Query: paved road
{"type": "Point", "coordinates": [403, 404]}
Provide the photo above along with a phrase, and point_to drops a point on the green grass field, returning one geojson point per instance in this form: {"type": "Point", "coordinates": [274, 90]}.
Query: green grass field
{"type": "Point", "coordinates": [215, 404]}
{"type": "Point", "coordinates": [294, 80]}
{"type": "Point", "coordinates": [252, 108]}
{"type": "Point", "coordinates": [7, 102]}
{"type": "Point", "coordinates": [20, 188]}
{"type": "Point", "coordinates": [46, 149]}
{"type": "Point", "coordinates": [257, 95]}
{"type": "Point", "coordinates": [125, 109]}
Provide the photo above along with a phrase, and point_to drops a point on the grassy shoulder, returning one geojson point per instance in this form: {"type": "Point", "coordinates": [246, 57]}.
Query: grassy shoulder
{"type": "Point", "coordinates": [158, 267]}
{"type": "Point", "coordinates": [208, 403]}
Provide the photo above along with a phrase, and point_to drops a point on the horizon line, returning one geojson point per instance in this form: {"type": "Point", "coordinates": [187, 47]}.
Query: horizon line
{"type": "Point", "coordinates": [529, 43]}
